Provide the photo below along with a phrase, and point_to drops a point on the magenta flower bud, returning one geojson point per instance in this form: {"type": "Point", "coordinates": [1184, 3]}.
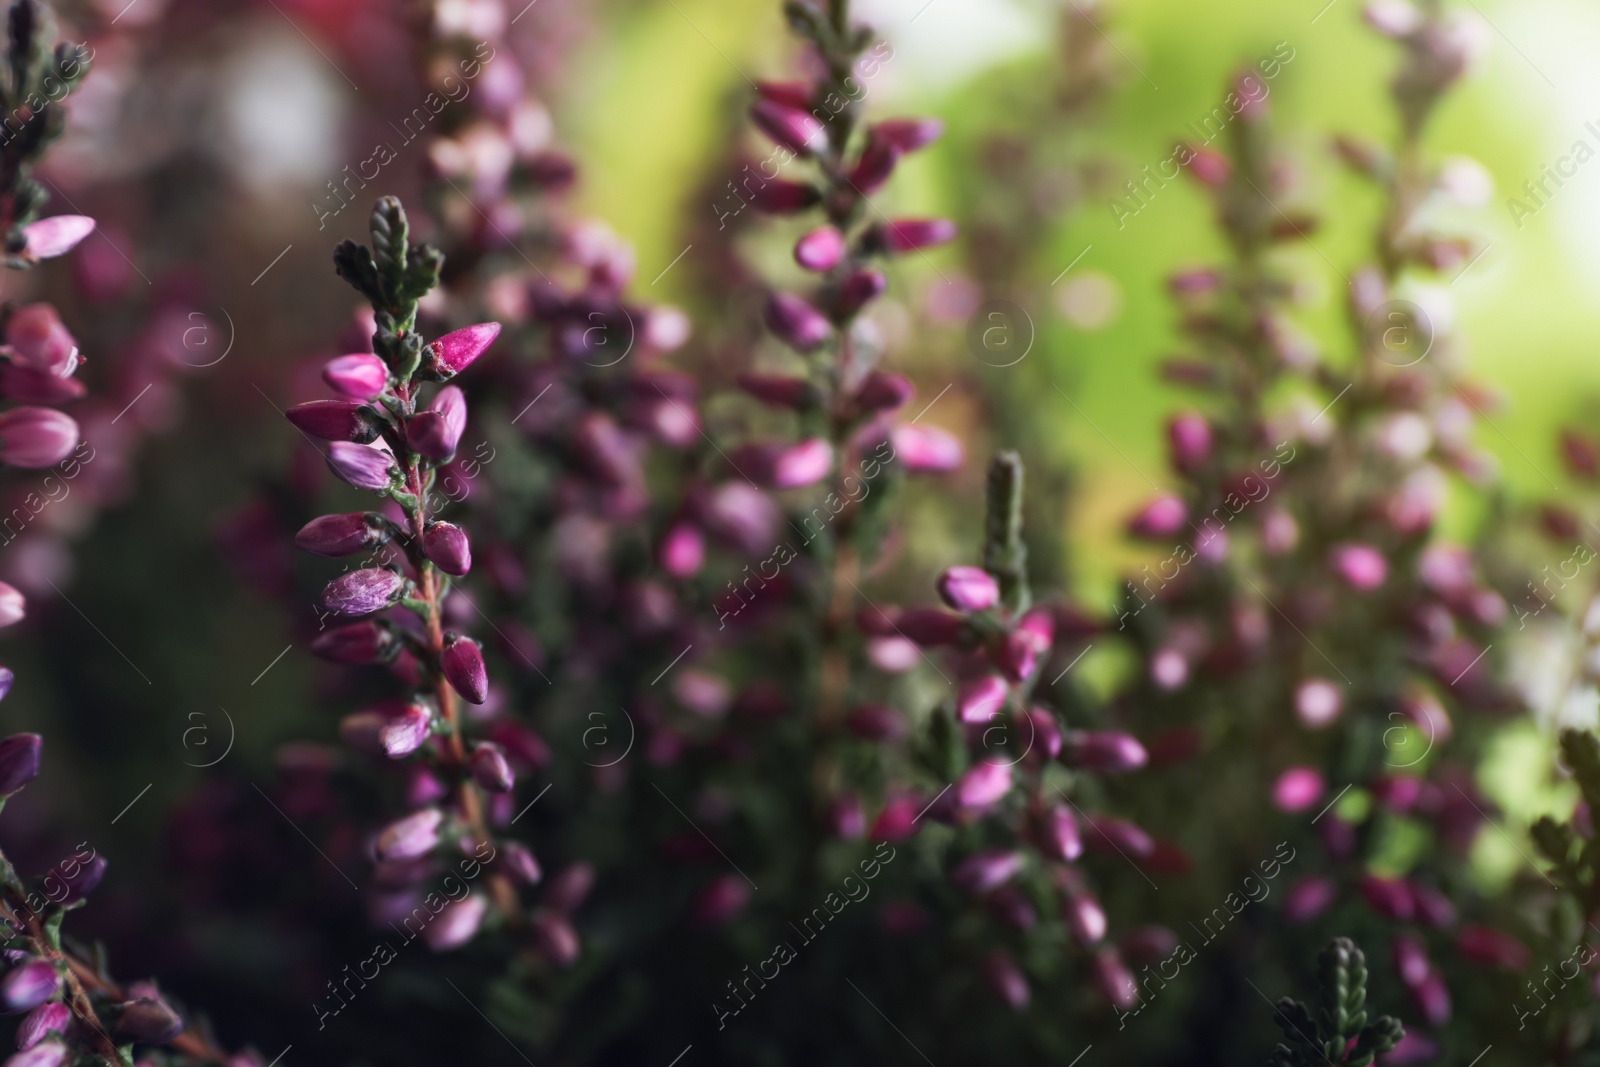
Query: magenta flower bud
{"type": "Point", "coordinates": [1317, 702]}
{"type": "Point", "coordinates": [6, 678]}
{"type": "Point", "coordinates": [931, 627]}
{"type": "Point", "coordinates": [968, 588]}
{"type": "Point", "coordinates": [462, 663]}
{"type": "Point", "coordinates": [1297, 789]}
{"type": "Point", "coordinates": [27, 986]}
{"type": "Point", "coordinates": [85, 880]}
{"type": "Point", "coordinates": [790, 94]}
{"type": "Point", "coordinates": [803, 464]}
{"type": "Point", "coordinates": [1432, 998]}
{"type": "Point", "coordinates": [410, 837]}
{"type": "Point", "coordinates": [1433, 907]}
{"type": "Point", "coordinates": [445, 544]}
{"type": "Point", "coordinates": [556, 939]}
{"type": "Point", "coordinates": [19, 761]}
{"type": "Point", "coordinates": [782, 197]}
{"type": "Point", "coordinates": [36, 437]}
{"type": "Point", "coordinates": [848, 819]}
{"type": "Point", "coordinates": [983, 784]}
{"type": "Point", "coordinates": [53, 1015]}
{"type": "Point", "coordinates": [28, 386]}
{"type": "Point", "coordinates": [44, 1054]}
{"type": "Point", "coordinates": [336, 420]}
{"type": "Point", "coordinates": [1209, 167]}
{"type": "Point", "coordinates": [149, 1020]}
{"type": "Point", "coordinates": [361, 376]}
{"type": "Point", "coordinates": [1005, 979]}
{"type": "Point", "coordinates": [1389, 897]}
{"type": "Point", "coordinates": [742, 516]}
{"type": "Point", "coordinates": [423, 787]}
{"type": "Point", "coordinates": [1104, 751]}
{"type": "Point", "coordinates": [875, 722]}
{"type": "Point", "coordinates": [1410, 960]}
{"type": "Point", "coordinates": [1162, 517]}
{"type": "Point", "coordinates": [897, 820]}
{"type": "Point", "coordinates": [909, 235]}
{"type": "Point", "coordinates": [1120, 836]}
{"type": "Point", "coordinates": [362, 466]}
{"type": "Point", "coordinates": [341, 535]}
{"type": "Point", "coordinates": [404, 733]}
{"type": "Point", "coordinates": [1190, 438]}
{"type": "Point", "coordinates": [907, 135]}
{"type": "Point", "coordinates": [1059, 835]}
{"type": "Point", "coordinates": [570, 888]}
{"type": "Point", "coordinates": [363, 592]}
{"type": "Point", "coordinates": [363, 642]}
{"type": "Point", "coordinates": [435, 433]}
{"type": "Point", "coordinates": [984, 871]}
{"type": "Point", "coordinates": [13, 605]}
{"type": "Point", "coordinates": [859, 290]}
{"type": "Point", "coordinates": [1481, 944]}
{"type": "Point", "coordinates": [1045, 732]}
{"type": "Point", "coordinates": [55, 236]}
{"type": "Point", "coordinates": [874, 166]}
{"type": "Point", "coordinates": [1016, 654]}
{"type": "Point", "coordinates": [1114, 980]}
{"type": "Point", "coordinates": [1362, 567]}
{"type": "Point", "coordinates": [881, 391]}
{"type": "Point", "coordinates": [1399, 793]}
{"type": "Point", "coordinates": [721, 901]}
{"type": "Point", "coordinates": [796, 323]}
{"type": "Point", "coordinates": [489, 768]}
{"type": "Point", "coordinates": [1308, 898]}
{"type": "Point", "coordinates": [791, 127]}
{"type": "Point", "coordinates": [1084, 918]}
{"type": "Point", "coordinates": [457, 924]}
{"type": "Point", "coordinates": [456, 351]}
{"type": "Point", "coordinates": [981, 699]}
{"type": "Point", "coordinates": [926, 448]}
{"type": "Point", "coordinates": [820, 250]}
{"type": "Point", "coordinates": [521, 863]}
{"type": "Point", "coordinates": [37, 340]}
{"type": "Point", "coordinates": [778, 390]}
{"type": "Point", "coordinates": [682, 551]}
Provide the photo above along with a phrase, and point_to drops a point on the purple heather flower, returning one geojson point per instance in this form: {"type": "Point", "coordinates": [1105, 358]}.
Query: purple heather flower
{"type": "Point", "coordinates": [983, 784]}
{"type": "Point", "coordinates": [1190, 438]}
{"type": "Point", "coordinates": [1308, 898]}
{"type": "Point", "coordinates": [907, 135]}
{"type": "Point", "coordinates": [778, 390]}
{"type": "Point", "coordinates": [1361, 566]}
{"type": "Point", "coordinates": [445, 544]}
{"type": "Point", "coordinates": [555, 938]}
{"type": "Point", "coordinates": [984, 871]}
{"type": "Point", "coordinates": [909, 235]}
{"type": "Point", "coordinates": [1297, 789]}
{"type": "Point", "coordinates": [859, 290]}
{"type": "Point", "coordinates": [1120, 836]}
{"type": "Point", "coordinates": [1317, 702]}
{"type": "Point", "coordinates": [1045, 732]}
{"type": "Point", "coordinates": [968, 588]}
{"type": "Point", "coordinates": [1389, 897]}
{"type": "Point", "coordinates": [926, 448]}
{"type": "Point", "coordinates": [28, 985]}
{"type": "Point", "coordinates": [881, 391]}
{"type": "Point", "coordinates": [55, 236]}
{"type": "Point", "coordinates": [410, 837]}
{"type": "Point", "coordinates": [457, 924]}
{"type": "Point", "coordinates": [1006, 979]}
{"type": "Point", "coordinates": [360, 376]}
{"type": "Point", "coordinates": [462, 663]}
{"type": "Point", "coordinates": [1060, 834]}
{"type": "Point", "coordinates": [1162, 517]}
{"type": "Point", "coordinates": [897, 820]}
{"type": "Point", "coordinates": [931, 627]}
{"type": "Point", "coordinates": [362, 642]}
{"type": "Point", "coordinates": [803, 464]}
{"type": "Point", "coordinates": [36, 437]}
{"type": "Point", "coordinates": [405, 732]}
{"type": "Point", "coordinates": [1084, 918]}
{"type": "Point", "coordinates": [37, 340]}
{"type": "Point", "coordinates": [435, 433]}
{"type": "Point", "coordinates": [780, 196]}
{"type": "Point", "coordinates": [149, 1020]}
{"type": "Point", "coordinates": [1105, 751]}
{"type": "Point", "coordinates": [19, 761]}
{"type": "Point", "coordinates": [1432, 998]}
{"type": "Point", "coordinates": [336, 420]}
{"type": "Point", "coordinates": [363, 466]}
{"type": "Point", "coordinates": [6, 678]}
{"type": "Point", "coordinates": [85, 881]}
{"type": "Point", "coordinates": [53, 1015]}
{"type": "Point", "coordinates": [364, 591]}
{"type": "Point", "coordinates": [743, 516]}
{"type": "Point", "coordinates": [13, 605]}
{"type": "Point", "coordinates": [521, 863]}
{"type": "Point", "coordinates": [796, 323]}
{"type": "Point", "coordinates": [44, 1054]}
{"type": "Point", "coordinates": [1115, 981]}
{"type": "Point", "coordinates": [456, 351]}
{"type": "Point", "coordinates": [820, 250]}
{"type": "Point", "coordinates": [489, 768]}
{"type": "Point", "coordinates": [874, 166]}
{"type": "Point", "coordinates": [569, 889]}
{"type": "Point", "coordinates": [28, 386]}
{"type": "Point", "coordinates": [721, 901]}
{"type": "Point", "coordinates": [682, 550]}
{"type": "Point", "coordinates": [981, 699]}
{"type": "Point", "coordinates": [789, 126]}
{"type": "Point", "coordinates": [340, 535]}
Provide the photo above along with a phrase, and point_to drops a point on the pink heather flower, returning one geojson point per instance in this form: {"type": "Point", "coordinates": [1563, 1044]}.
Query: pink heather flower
{"type": "Point", "coordinates": [1317, 702]}
{"type": "Point", "coordinates": [362, 642]}
{"type": "Point", "coordinates": [1424, 709]}
{"type": "Point", "coordinates": [340, 535]}
{"type": "Point", "coordinates": [555, 938]}
{"type": "Point", "coordinates": [1006, 979]}
{"type": "Point", "coordinates": [1279, 532]}
{"type": "Point", "coordinates": [149, 1020]}
{"type": "Point", "coordinates": [907, 135]}
{"type": "Point", "coordinates": [909, 235]}
{"type": "Point", "coordinates": [521, 862]}
{"type": "Point", "coordinates": [362, 466]}
{"type": "Point", "coordinates": [1121, 836]}
{"type": "Point", "coordinates": [1410, 960]}
{"type": "Point", "coordinates": [743, 516]}
{"type": "Point", "coordinates": [363, 591]}
{"type": "Point", "coordinates": [881, 391]}
{"type": "Point", "coordinates": [1060, 834]}
{"type": "Point", "coordinates": [1114, 980]}
{"type": "Point", "coordinates": [985, 871]}
{"type": "Point", "coordinates": [722, 900]}
{"type": "Point", "coordinates": [1161, 518]}
{"type": "Point", "coordinates": [926, 448]}
{"type": "Point", "coordinates": [404, 733]}
{"type": "Point", "coordinates": [361, 376]}
{"type": "Point", "coordinates": [445, 544]}
{"type": "Point", "coordinates": [796, 323]}
{"type": "Point", "coordinates": [1209, 167]}
{"type": "Point", "coordinates": [28, 985]}
{"type": "Point", "coordinates": [1433, 907]}
{"type": "Point", "coordinates": [1190, 438]}
{"type": "Point", "coordinates": [36, 437]}
{"type": "Point", "coordinates": [410, 837]}
{"type": "Point", "coordinates": [1297, 789]}
{"type": "Point", "coordinates": [1481, 944]}
{"type": "Point", "coordinates": [897, 820]}
{"type": "Point", "coordinates": [37, 340]}
{"type": "Point", "coordinates": [931, 627]}
{"type": "Point", "coordinates": [778, 390]}
{"type": "Point", "coordinates": [1432, 998]}
{"type": "Point", "coordinates": [803, 464]}
{"type": "Point", "coordinates": [55, 236]}
{"type": "Point", "coordinates": [873, 167]}
{"type": "Point", "coordinates": [1169, 669]}
{"type": "Point", "coordinates": [463, 667]}
{"type": "Point", "coordinates": [820, 250]}
{"type": "Point", "coordinates": [1045, 732]}
{"type": "Point", "coordinates": [19, 761]}
{"type": "Point", "coordinates": [1361, 566]}
{"type": "Point", "coordinates": [847, 818]}
{"type": "Point", "coordinates": [335, 420]}
{"type": "Point", "coordinates": [682, 550]}
{"type": "Point", "coordinates": [1389, 897]}
{"type": "Point", "coordinates": [40, 1021]}
{"type": "Point", "coordinates": [44, 1054]}
{"type": "Point", "coordinates": [861, 289]}
{"type": "Point", "coordinates": [436, 432]}
{"type": "Point", "coordinates": [983, 784]}
{"type": "Point", "coordinates": [1308, 898]}
{"type": "Point", "coordinates": [456, 924]}
{"type": "Point", "coordinates": [489, 768]}
{"type": "Point", "coordinates": [13, 606]}
{"type": "Point", "coordinates": [1084, 918]}
{"type": "Point", "coordinates": [780, 196]}
{"type": "Point", "coordinates": [981, 699]}
{"type": "Point", "coordinates": [892, 655]}
{"type": "Point", "coordinates": [569, 889]}
{"type": "Point", "coordinates": [28, 386]}
{"type": "Point", "coordinates": [792, 127]}
{"type": "Point", "coordinates": [968, 589]}
{"type": "Point", "coordinates": [1104, 751]}
{"type": "Point", "coordinates": [6, 678]}
{"type": "Point", "coordinates": [456, 351]}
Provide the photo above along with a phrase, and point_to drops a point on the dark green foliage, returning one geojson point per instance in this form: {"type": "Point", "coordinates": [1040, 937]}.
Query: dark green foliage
{"type": "Point", "coordinates": [393, 275]}
{"type": "Point", "coordinates": [1341, 1015]}
{"type": "Point", "coordinates": [1004, 554]}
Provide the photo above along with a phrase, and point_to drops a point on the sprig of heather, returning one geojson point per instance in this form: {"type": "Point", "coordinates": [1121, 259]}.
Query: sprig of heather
{"type": "Point", "coordinates": [1336, 1031]}
{"type": "Point", "coordinates": [387, 439]}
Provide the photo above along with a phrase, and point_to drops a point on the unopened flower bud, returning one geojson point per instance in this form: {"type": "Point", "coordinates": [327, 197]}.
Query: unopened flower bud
{"type": "Point", "coordinates": [1361, 566]}
{"type": "Point", "coordinates": [796, 323]}
{"type": "Point", "coordinates": [859, 290]}
{"type": "Point", "coordinates": [800, 465]}
{"type": "Point", "coordinates": [19, 761]}
{"type": "Point", "coordinates": [981, 699]}
{"type": "Point", "coordinates": [363, 642]}
{"type": "Point", "coordinates": [1059, 834]}
{"type": "Point", "coordinates": [968, 588]}
{"type": "Point", "coordinates": [874, 166]}
{"type": "Point", "coordinates": [456, 924]}
{"type": "Point", "coordinates": [37, 339]}
{"type": "Point", "coordinates": [55, 236]}
{"type": "Point", "coordinates": [53, 1015]}
{"type": "Point", "coordinates": [404, 733]}
{"type": "Point", "coordinates": [1114, 980]}
{"type": "Point", "coordinates": [521, 862]}
{"type": "Point", "coordinates": [907, 135]}
{"type": "Point", "coordinates": [341, 535]}
{"type": "Point", "coordinates": [722, 900]}
{"type": "Point", "coordinates": [875, 722]}
{"type": "Point", "coordinates": [985, 871]}
{"type": "Point", "coordinates": [1297, 789]}
{"type": "Point", "coordinates": [570, 888]}
{"type": "Point", "coordinates": [462, 663]}
{"type": "Point", "coordinates": [792, 127]}
{"type": "Point", "coordinates": [1162, 517]}
{"type": "Point", "coordinates": [489, 767]}
{"type": "Point", "coordinates": [1389, 897]}
{"type": "Point", "coordinates": [44, 1054]}
{"type": "Point", "coordinates": [1209, 167]}
{"type": "Point", "coordinates": [33, 437]}
{"type": "Point", "coordinates": [435, 433]}
{"type": "Point", "coordinates": [1006, 979]}
{"type": "Point", "coordinates": [1084, 918]}
{"type": "Point", "coordinates": [360, 376]}
{"type": "Point", "coordinates": [1308, 898]}
{"type": "Point", "coordinates": [456, 351]}
{"type": "Point", "coordinates": [1392, 18]}
{"type": "Point", "coordinates": [336, 420]}
{"type": "Point", "coordinates": [1317, 702]}
{"type": "Point", "coordinates": [13, 605]}
{"type": "Point", "coordinates": [910, 235]}
{"type": "Point", "coordinates": [897, 820]}
{"type": "Point", "coordinates": [1481, 944]}
{"type": "Point", "coordinates": [778, 390]}
{"type": "Point", "coordinates": [556, 939]}
{"type": "Point", "coordinates": [1105, 751]}
{"type": "Point", "coordinates": [682, 550]}
{"type": "Point", "coordinates": [410, 837]}
{"type": "Point", "coordinates": [782, 197]}
{"type": "Point", "coordinates": [149, 1020]}
{"type": "Point", "coordinates": [926, 448]}
{"type": "Point", "coordinates": [983, 784]}
{"type": "Point", "coordinates": [1120, 836]}
{"type": "Point", "coordinates": [363, 591]}
{"type": "Point", "coordinates": [820, 250]}
{"type": "Point", "coordinates": [881, 391]}
{"type": "Point", "coordinates": [362, 466]}
{"type": "Point", "coordinates": [445, 544]}
{"type": "Point", "coordinates": [1190, 438]}
{"type": "Point", "coordinates": [28, 985]}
